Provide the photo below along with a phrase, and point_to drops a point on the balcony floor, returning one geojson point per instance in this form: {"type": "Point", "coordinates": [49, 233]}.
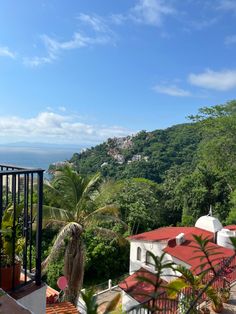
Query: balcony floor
{"type": "Point", "coordinates": [9, 305]}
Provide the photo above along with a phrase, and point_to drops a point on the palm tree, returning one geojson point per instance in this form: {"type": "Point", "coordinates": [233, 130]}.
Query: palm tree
{"type": "Point", "coordinates": [193, 283]}
{"type": "Point", "coordinates": [187, 281]}
{"type": "Point", "coordinates": [74, 198]}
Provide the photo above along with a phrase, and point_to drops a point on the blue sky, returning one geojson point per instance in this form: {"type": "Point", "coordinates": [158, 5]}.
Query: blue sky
{"type": "Point", "coordinates": [81, 71]}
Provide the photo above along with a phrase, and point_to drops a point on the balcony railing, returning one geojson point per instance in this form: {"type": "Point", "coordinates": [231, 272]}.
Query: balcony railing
{"type": "Point", "coordinates": [21, 197]}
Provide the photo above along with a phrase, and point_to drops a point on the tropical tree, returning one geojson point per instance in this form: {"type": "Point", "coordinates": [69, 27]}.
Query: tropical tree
{"type": "Point", "coordinates": [199, 284]}
{"type": "Point", "coordinates": [138, 200]}
{"type": "Point", "coordinates": [218, 147]}
{"type": "Point", "coordinates": [188, 280]}
{"type": "Point", "coordinates": [71, 206]}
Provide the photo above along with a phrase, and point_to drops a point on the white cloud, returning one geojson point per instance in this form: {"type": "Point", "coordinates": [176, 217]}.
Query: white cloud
{"type": "Point", "coordinates": [77, 41]}
{"type": "Point", "coordinates": [37, 61]}
{"type": "Point", "coordinates": [118, 19]}
{"type": "Point", "coordinates": [171, 90]}
{"type": "Point", "coordinates": [96, 22]}
{"type": "Point", "coordinates": [151, 12]}
{"type": "Point", "coordinates": [101, 35]}
{"type": "Point", "coordinates": [230, 40]}
{"type": "Point", "coordinates": [55, 47]}
{"type": "Point", "coordinates": [227, 5]}
{"type": "Point", "coordinates": [56, 128]}
{"type": "Point", "coordinates": [221, 81]}
{"type": "Point", "coordinates": [6, 52]}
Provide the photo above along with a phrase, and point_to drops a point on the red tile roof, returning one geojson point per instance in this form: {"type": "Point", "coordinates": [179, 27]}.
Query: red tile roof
{"type": "Point", "coordinates": [61, 308]}
{"type": "Point", "coordinates": [231, 227]}
{"type": "Point", "coordinates": [140, 291]}
{"type": "Point", "coordinates": [51, 295]}
{"type": "Point", "coordinates": [166, 233]}
{"type": "Point", "coordinates": [186, 253]}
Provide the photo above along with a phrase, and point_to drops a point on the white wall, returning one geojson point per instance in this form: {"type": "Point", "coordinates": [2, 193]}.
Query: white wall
{"type": "Point", "coordinates": [35, 301]}
{"type": "Point", "coordinates": [154, 247]}
{"type": "Point", "coordinates": [157, 249]}
{"type": "Point", "coordinates": [169, 274]}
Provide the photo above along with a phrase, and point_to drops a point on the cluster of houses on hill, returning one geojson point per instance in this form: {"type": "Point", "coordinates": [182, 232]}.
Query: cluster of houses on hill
{"type": "Point", "coordinates": [177, 243]}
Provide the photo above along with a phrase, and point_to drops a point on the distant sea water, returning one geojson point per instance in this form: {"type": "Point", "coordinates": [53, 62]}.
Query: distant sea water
{"type": "Point", "coordinates": [36, 157]}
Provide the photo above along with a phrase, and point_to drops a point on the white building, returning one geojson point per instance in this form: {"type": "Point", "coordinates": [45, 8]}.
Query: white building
{"type": "Point", "coordinates": [177, 243]}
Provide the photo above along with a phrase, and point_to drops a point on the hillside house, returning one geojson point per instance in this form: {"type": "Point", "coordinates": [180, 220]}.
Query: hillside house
{"type": "Point", "coordinates": [177, 243]}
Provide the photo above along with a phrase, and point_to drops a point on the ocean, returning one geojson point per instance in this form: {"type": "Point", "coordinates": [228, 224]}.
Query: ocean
{"type": "Point", "coordinates": [36, 157]}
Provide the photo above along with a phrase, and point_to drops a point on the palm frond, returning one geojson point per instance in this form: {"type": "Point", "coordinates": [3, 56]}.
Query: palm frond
{"type": "Point", "coordinates": [175, 286]}
{"type": "Point", "coordinates": [51, 213]}
{"type": "Point", "coordinates": [66, 231]}
{"type": "Point", "coordinates": [107, 209]}
{"type": "Point", "coordinates": [58, 194]}
{"type": "Point", "coordinates": [112, 305]}
{"type": "Point", "coordinates": [92, 184]}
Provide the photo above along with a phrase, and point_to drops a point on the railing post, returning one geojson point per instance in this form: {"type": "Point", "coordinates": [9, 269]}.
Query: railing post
{"type": "Point", "coordinates": [13, 257]}
{"type": "Point", "coordinates": [39, 229]}
{"type": "Point", "coordinates": [1, 212]}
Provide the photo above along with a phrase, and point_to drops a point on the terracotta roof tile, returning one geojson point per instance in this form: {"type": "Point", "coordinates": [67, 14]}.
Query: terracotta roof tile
{"type": "Point", "coordinates": [231, 227]}
{"type": "Point", "coordinates": [166, 233]}
{"type": "Point", "coordinates": [61, 308]}
{"type": "Point", "coordinates": [51, 295]}
{"type": "Point", "coordinates": [187, 253]}
{"type": "Point", "coordinates": [140, 291]}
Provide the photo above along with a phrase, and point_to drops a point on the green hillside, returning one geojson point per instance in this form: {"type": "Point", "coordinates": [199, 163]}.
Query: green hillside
{"type": "Point", "coordinates": [193, 164]}
{"type": "Point", "coordinates": [146, 154]}
{"type": "Point", "coordinates": [160, 178]}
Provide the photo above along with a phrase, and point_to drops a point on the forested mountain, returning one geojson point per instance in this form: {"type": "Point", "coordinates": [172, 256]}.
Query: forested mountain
{"type": "Point", "coordinates": [193, 164]}
{"type": "Point", "coordinates": [160, 178]}
{"type": "Point", "coordinates": [147, 154]}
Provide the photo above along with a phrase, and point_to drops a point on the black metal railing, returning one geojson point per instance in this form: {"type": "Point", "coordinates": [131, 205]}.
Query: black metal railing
{"type": "Point", "coordinates": [162, 304]}
{"type": "Point", "coordinates": [21, 199]}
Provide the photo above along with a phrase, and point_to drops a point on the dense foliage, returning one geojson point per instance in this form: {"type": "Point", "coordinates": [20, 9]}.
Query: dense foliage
{"type": "Point", "coordinates": [194, 165]}
{"type": "Point", "coordinates": [159, 178]}
{"type": "Point", "coordinates": [158, 151]}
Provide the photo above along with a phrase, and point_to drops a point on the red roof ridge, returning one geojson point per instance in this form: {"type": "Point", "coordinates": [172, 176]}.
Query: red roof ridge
{"type": "Point", "coordinates": [186, 253]}
{"type": "Point", "coordinates": [165, 233]}
{"type": "Point", "coordinates": [230, 227]}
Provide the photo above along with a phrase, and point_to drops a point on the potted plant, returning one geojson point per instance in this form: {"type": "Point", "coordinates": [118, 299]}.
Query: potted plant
{"type": "Point", "coordinates": [7, 268]}
{"type": "Point", "coordinates": [205, 310]}
{"type": "Point", "coordinates": [216, 303]}
{"type": "Point", "coordinates": [225, 294]}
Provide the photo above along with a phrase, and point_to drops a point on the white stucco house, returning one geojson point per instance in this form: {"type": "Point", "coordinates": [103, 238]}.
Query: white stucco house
{"type": "Point", "coordinates": [177, 243]}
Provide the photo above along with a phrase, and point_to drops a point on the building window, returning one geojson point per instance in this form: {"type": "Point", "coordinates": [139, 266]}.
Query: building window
{"type": "Point", "coordinates": [139, 253]}
{"type": "Point", "coordinates": [149, 259]}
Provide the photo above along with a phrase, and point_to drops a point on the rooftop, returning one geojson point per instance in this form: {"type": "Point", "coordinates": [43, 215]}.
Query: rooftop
{"type": "Point", "coordinates": [140, 291]}
{"type": "Point", "coordinates": [186, 252]}
{"type": "Point", "coordinates": [209, 223]}
{"type": "Point", "coordinates": [61, 308]}
{"type": "Point", "coordinates": [51, 295]}
{"type": "Point", "coordinates": [231, 227]}
{"type": "Point", "coordinates": [167, 233]}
